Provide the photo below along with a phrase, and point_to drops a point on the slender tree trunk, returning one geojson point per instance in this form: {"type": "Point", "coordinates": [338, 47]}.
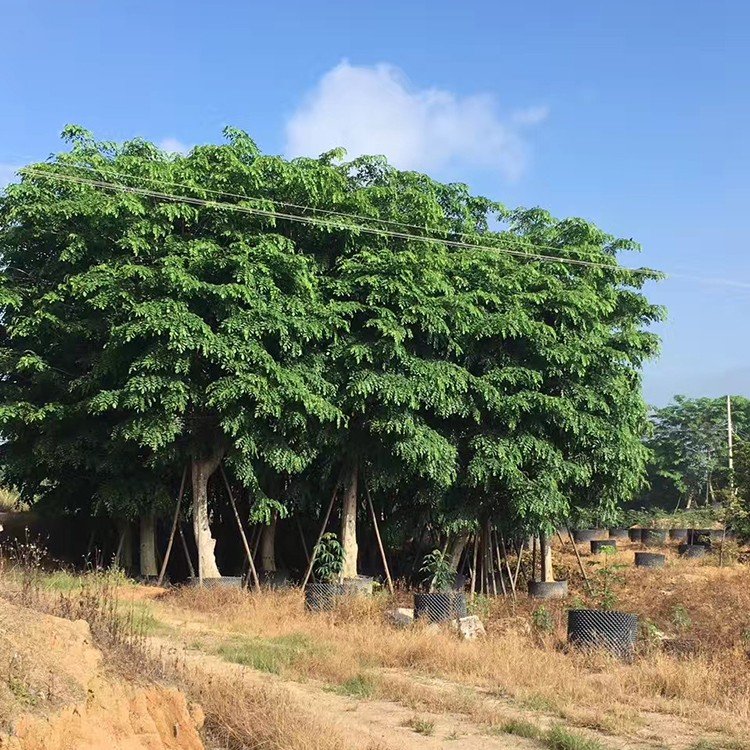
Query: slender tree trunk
{"type": "Point", "coordinates": [268, 547]}
{"type": "Point", "coordinates": [125, 557]}
{"type": "Point", "coordinates": [201, 471]}
{"type": "Point", "coordinates": [149, 569]}
{"type": "Point", "coordinates": [349, 524]}
{"type": "Point", "coordinates": [457, 549]}
{"type": "Point", "coordinates": [546, 554]}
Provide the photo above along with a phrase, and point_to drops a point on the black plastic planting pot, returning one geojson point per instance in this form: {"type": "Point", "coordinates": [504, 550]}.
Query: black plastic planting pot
{"type": "Point", "coordinates": [548, 589]}
{"type": "Point", "coordinates": [634, 534]}
{"type": "Point", "coordinates": [679, 535]}
{"type": "Point", "coordinates": [650, 560]}
{"type": "Point", "coordinates": [654, 537]}
{"type": "Point", "coordinates": [701, 536]}
{"type": "Point", "coordinates": [225, 582]}
{"type": "Point", "coordinates": [440, 606]}
{"type": "Point", "coordinates": [321, 596]}
{"type": "Point", "coordinates": [600, 545]}
{"type": "Point", "coordinates": [588, 535]}
{"type": "Point", "coordinates": [619, 533]}
{"type": "Point", "coordinates": [691, 550]}
{"type": "Point", "coordinates": [616, 632]}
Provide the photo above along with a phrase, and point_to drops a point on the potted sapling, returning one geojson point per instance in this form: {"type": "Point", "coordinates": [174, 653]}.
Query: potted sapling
{"type": "Point", "coordinates": [440, 602]}
{"type": "Point", "coordinates": [322, 593]}
{"type": "Point", "coordinates": [602, 626]}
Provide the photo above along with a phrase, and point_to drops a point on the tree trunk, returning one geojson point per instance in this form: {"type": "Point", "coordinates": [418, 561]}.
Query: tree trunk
{"type": "Point", "coordinates": [457, 549]}
{"type": "Point", "coordinates": [349, 525]}
{"type": "Point", "coordinates": [545, 549]}
{"type": "Point", "coordinates": [268, 547]}
{"type": "Point", "coordinates": [149, 568]}
{"type": "Point", "coordinates": [125, 558]}
{"type": "Point", "coordinates": [201, 470]}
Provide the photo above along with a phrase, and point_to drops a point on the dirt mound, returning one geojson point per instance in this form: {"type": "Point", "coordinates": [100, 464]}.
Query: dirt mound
{"type": "Point", "coordinates": [56, 695]}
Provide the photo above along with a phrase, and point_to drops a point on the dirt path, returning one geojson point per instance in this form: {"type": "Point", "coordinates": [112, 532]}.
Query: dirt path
{"type": "Point", "coordinates": [366, 723]}
{"type": "Point", "coordinates": [403, 722]}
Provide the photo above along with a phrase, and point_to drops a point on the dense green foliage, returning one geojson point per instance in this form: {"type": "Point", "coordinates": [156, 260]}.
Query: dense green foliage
{"type": "Point", "coordinates": [690, 454]}
{"type": "Point", "coordinates": [396, 340]}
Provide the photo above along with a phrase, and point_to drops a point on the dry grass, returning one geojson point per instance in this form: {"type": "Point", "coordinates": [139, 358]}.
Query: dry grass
{"type": "Point", "coordinates": [240, 715]}
{"type": "Point", "coordinates": [694, 661]}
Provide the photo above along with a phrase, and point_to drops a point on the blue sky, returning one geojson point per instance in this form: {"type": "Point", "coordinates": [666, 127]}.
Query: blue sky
{"type": "Point", "coordinates": [634, 115]}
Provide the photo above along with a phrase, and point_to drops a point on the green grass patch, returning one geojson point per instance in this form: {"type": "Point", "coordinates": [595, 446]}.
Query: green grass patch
{"type": "Point", "coordinates": [560, 738]}
{"type": "Point", "coordinates": [421, 726]}
{"type": "Point", "coordinates": [539, 703]}
{"type": "Point", "coordinates": [267, 654]}
{"type": "Point", "coordinates": [360, 686]}
{"type": "Point", "coordinates": [521, 728]}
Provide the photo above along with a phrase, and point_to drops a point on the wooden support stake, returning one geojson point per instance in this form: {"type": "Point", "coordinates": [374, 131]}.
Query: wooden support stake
{"type": "Point", "coordinates": [533, 558]}
{"type": "Point", "coordinates": [496, 547]}
{"type": "Point", "coordinates": [580, 563]}
{"type": "Point", "coordinates": [308, 572]}
{"type": "Point", "coordinates": [175, 521]}
{"type": "Point", "coordinates": [518, 563]}
{"type": "Point", "coordinates": [377, 536]}
{"type": "Point", "coordinates": [474, 568]}
{"type": "Point", "coordinates": [511, 580]}
{"type": "Point", "coordinates": [302, 539]}
{"type": "Point", "coordinates": [187, 551]}
{"type": "Point", "coordinates": [253, 571]}
{"type": "Point", "coordinates": [491, 566]}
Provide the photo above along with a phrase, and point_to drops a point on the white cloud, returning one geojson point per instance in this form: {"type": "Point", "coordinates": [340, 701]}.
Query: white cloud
{"type": "Point", "coordinates": [374, 110]}
{"type": "Point", "coordinates": [8, 173]}
{"type": "Point", "coordinates": [173, 146]}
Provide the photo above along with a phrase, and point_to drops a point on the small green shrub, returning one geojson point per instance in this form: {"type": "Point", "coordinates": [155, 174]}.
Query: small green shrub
{"type": "Point", "coordinates": [542, 619]}
{"type": "Point", "coordinates": [437, 570]}
{"type": "Point", "coordinates": [421, 726]}
{"type": "Point", "coordinates": [329, 558]}
{"type": "Point", "coordinates": [681, 619]}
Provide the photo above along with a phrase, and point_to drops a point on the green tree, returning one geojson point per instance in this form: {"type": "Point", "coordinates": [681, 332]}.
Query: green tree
{"type": "Point", "coordinates": [690, 450]}
{"type": "Point", "coordinates": [186, 331]}
{"type": "Point", "coordinates": [555, 360]}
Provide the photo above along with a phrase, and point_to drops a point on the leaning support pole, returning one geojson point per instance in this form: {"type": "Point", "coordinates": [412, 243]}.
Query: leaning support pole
{"type": "Point", "coordinates": [511, 580]}
{"type": "Point", "coordinates": [474, 568]}
{"type": "Point", "coordinates": [175, 521]}
{"type": "Point", "coordinates": [518, 563]}
{"type": "Point", "coordinates": [308, 572]}
{"type": "Point", "coordinates": [302, 539]}
{"type": "Point", "coordinates": [580, 563]}
{"type": "Point", "coordinates": [496, 549]}
{"type": "Point", "coordinates": [187, 551]}
{"type": "Point", "coordinates": [253, 571]}
{"type": "Point", "coordinates": [490, 557]}
{"type": "Point", "coordinates": [377, 536]}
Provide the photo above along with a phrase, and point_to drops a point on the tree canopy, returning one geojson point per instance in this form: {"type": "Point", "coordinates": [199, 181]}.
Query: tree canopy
{"type": "Point", "coordinates": [335, 321]}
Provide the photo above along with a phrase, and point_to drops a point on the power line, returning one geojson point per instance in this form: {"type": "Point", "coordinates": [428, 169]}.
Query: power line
{"type": "Point", "coordinates": [329, 224]}
{"type": "Point", "coordinates": [718, 281]}
{"type": "Point", "coordinates": [313, 209]}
